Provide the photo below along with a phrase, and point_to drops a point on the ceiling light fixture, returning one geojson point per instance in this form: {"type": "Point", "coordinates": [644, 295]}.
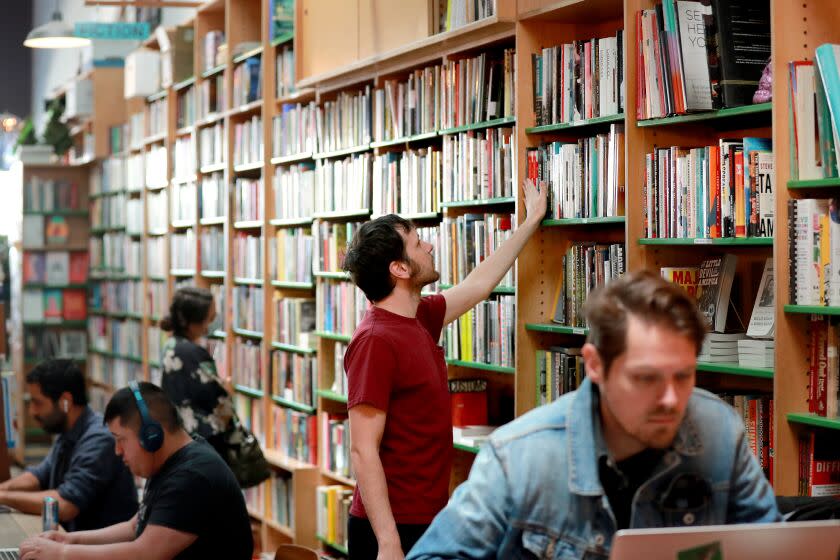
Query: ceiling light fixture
{"type": "Point", "coordinates": [55, 34]}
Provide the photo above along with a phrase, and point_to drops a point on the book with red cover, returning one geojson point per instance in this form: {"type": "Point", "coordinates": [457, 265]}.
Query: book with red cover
{"type": "Point", "coordinates": [78, 268]}
{"type": "Point", "coordinates": [822, 453]}
{"type": "Point", "coordinates": [75, 305]}
{"type": "Point", "coordinates": [469, 402]}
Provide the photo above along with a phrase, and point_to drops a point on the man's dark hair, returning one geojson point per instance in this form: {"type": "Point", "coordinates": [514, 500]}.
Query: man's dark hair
{"type": "Point", "coordinates": [374, 247]}
{"type": "Point", "coordinates": [646, 296]}
{"type": "Point", "coordinates": [123, 405]}
{"type": "Point", "coordinates": [58, 376]}
{"type": "Point", "coordinates": [189, 305]}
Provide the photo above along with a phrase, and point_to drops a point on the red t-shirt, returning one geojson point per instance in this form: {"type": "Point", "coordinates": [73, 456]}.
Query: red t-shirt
{"type": "Point", "coordinates": [394, 364]}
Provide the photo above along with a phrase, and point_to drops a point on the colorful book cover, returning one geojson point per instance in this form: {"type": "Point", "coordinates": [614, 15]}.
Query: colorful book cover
{"type": "Point", "coordinates": [75, 306]}
{"type": "Point", "coordinates": [57, 230]}
{"type": "Point", "coordinates": [53, 305]}
{"type": "Point", "coordinates": [34, 268]}
{"type": "Point", "coordinates": [685, 277]}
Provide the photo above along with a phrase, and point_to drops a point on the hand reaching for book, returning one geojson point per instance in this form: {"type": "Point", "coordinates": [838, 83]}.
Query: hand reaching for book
{"type": "Point", "coordinates": [536, 201]}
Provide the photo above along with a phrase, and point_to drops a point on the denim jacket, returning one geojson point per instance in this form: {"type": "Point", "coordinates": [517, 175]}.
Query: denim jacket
{"type": "Point", "coordinates": [534, 489]}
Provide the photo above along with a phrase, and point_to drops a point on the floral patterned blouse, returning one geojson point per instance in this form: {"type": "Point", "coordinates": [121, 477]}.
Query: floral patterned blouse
{"type": "Point", "coordinates": [191, 381]}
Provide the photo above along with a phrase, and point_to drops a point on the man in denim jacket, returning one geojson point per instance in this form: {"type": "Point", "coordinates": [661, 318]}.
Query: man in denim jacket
{"type": "Point", "coordinates": [637, 445]}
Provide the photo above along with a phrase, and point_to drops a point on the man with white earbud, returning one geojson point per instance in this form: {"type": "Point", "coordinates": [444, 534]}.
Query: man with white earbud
{"type": "Point", "coordinates": [93, 487]}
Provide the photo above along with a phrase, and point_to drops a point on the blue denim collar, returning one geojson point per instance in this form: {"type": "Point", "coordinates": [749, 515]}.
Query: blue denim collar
{"type": "Point", "coordinates": [586, 440]}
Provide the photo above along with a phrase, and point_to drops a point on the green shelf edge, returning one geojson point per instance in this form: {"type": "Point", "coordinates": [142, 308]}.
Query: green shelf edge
{"type": "Point", "coordinates": [559, 127]}
{"type": "Point", "coordinates": [247, 333]}
{"type": "Point", "coordinates": [292, 285]}
{"type": "Point", "coordinates": [481, 366]}
{"type": "Point", "coordinates": [484, 202]}
{"type": "Point", "coordinates": [498, 290]}
{"type": "Point", "coordinates": [732, 369]}
{"type": "Point", "coordinates": [94, 196]}
{"type": "Point", "coordinates": [292, 348]}
{"type": "Point", "coordinates": [730, 112]}
{"type": "Point", "coordinates": [552, 222]}
{"type": "Point", "coordinates": [135, 359]}
{"type": "Point", "coordinates": [331, 544]}
{"type": "Point", "coordinates": [40, 286]}
{"type": "Point", "coordinates": [331, 396]}
{"type": "Point", "coordinates": [812, 310]}
{"type": "Point", "coordinates": [331, 275]}
{"type": "Point", "coordinates": [55, 213]}
{"type": "Point", "coordinates": [282, 38]}
{"type": "Point", "coordinates": [333, 336]}
{"type": "Point", "coordinates": [291, 222]}
{"type": "Point", "coordinates": [341, 153]}
{"type": "Point", "coordinates": [556, 329]}
{"type": "Point", "coordinates": [213, 71]}
{"type": "Point", "coordinates": [722, 241]}
{"type": "Point", "coordinates": [478, 126]}
{"type": "Point", "coordinates": [405, 139]}
{"type": "Point", "coordinates": [257, 51]}
{"type": "Point", "coordinates": [293, 405]}
{"type": "Point", "coordinates": [251, 392]}
{"type": "Point", "coordinates": [833, 182]}
{"type": "Point", "coordinates": [57, 324]}
{"type": "Point", "coordinates": [464, 447]}
{"type": "Point", "coordinates": [814, 420]}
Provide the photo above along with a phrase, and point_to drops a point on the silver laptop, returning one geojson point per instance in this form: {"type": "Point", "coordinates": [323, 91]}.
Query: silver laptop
{"type": "Point", "coordinates": [811, 540]}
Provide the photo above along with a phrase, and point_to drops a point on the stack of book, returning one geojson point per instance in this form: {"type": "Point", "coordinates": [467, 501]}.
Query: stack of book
{"type": "Point", "coordinates": [407, 182]}
{"type": "Point", "coordinates": [723, 190]}
{"type": "Point", "coordinates": [579, 81]}
{"type": "Point", "coordinates": [721, 348]}
{"type": "Point", "coordinates": [344, 184]}
{"type": "Point", "coordinates": [294, 191]}
{"type": "Point", "coordinates": [815, 110]}
{"type": "Point", "coordinates": [248, 141]}
{"type": "Point", "coordinates": [585, 178]}
{"type": "Point", "coordinates": [344, 122]}
{"type": "Point", "coordinates": [479, 165]}
{"type": "Point", "coordinates": [294, 130]}
{"type": "Point", "coordinates": [699, 56]}
{"type": "Point", "coordinates": [295, 434]}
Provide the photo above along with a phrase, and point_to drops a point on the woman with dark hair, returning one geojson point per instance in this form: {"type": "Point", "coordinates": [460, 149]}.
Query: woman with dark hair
{"type": "Point", "coordinates": [190, 378]}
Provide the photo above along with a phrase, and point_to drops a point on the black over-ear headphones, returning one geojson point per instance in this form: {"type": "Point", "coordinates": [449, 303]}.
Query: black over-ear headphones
{"type": "Point", "coordinates": [151, 432]}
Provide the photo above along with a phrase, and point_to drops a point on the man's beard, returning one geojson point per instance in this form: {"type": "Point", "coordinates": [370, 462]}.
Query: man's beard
{"type": "Point", "coordinates": [422, 278]}
{"type": "Point", "coordinates": [53, 423]}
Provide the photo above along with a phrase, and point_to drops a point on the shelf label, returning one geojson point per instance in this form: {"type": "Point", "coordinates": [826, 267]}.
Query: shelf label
{"type": "Point", "coordinates": [702, 241]}
{"type": "Point", "coordinates": [578, 330]}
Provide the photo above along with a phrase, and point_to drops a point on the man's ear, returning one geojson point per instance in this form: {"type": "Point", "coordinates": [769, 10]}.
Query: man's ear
{"type": "Point", "coordinates": [593, 363]}
{"type": "Point", "coordinates": [399, 269]}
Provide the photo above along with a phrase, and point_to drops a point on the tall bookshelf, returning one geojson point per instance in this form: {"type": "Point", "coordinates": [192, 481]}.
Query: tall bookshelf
{"type": "Point", "coordinates": [43, 333]}
{"type": "Point", "coordinates": [528, 26]}
{"type": "Point", "coordinates": [798, 29]}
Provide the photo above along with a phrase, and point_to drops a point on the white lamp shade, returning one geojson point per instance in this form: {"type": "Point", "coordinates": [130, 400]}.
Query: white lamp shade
{"type": "Point", "coordinates": [54, 34]}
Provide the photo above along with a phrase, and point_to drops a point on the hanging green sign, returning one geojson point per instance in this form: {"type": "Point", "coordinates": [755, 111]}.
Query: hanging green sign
{"type": "Point", "coordinates": [116, 31]}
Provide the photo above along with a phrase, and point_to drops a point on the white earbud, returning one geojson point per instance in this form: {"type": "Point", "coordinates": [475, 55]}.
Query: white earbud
{"type": "Point", "coordinates": [66, 407]}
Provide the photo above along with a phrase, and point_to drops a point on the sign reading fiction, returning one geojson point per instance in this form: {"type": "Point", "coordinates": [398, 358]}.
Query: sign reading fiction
{"type": "Point", "coordinates": [116, 31]}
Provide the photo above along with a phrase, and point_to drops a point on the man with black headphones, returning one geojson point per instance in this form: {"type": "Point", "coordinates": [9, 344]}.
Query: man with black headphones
{"type": "Point", "coordinates": [192, 506]}
{"type": "Point", "coordinates": [91, 485]}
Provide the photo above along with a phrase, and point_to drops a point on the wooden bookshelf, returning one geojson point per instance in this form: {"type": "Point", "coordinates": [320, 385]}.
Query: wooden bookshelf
{"type": "Point", "coordinates": [798, 29]}
{"type": "Point", "coordinates": [529, 26]}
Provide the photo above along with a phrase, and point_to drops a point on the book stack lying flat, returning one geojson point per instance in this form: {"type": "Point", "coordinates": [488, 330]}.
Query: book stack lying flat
{"type": "Point", "coordinates": [721, 348]}
{"type": "Point", "coordinates": [756, 353]}
{"type": "Point", "coordinates": [473, 436]}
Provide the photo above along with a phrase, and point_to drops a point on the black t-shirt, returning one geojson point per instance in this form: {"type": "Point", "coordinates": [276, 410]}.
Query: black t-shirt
{"type": "Point", "coordinates": [621, 481]}
{"type": "Point", "coordinates": [196, 492]}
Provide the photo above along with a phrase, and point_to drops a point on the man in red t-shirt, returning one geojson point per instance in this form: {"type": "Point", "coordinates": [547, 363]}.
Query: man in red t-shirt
{"type": "Point", "coordinates": [400, 412]}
